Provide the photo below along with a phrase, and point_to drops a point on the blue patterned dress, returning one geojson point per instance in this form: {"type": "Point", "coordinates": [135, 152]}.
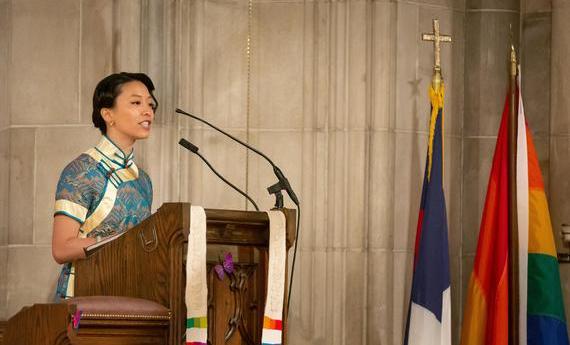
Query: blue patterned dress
{"type": "Point", "coordinates": [106, 193]}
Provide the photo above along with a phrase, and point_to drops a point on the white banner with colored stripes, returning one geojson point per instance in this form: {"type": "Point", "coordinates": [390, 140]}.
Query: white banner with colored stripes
{"type": "Point", "coordinates": [196, 280]}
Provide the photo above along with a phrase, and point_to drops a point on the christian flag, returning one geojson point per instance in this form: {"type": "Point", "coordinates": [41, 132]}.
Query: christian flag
{"type": "Point", "coordinates": [429, 313]}
{"type": "Point", "coordinates": [541, 318]}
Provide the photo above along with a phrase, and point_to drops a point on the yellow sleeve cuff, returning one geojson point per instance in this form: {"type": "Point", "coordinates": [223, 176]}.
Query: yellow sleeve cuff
{"type": "Point", "coordinates": [70, 209]}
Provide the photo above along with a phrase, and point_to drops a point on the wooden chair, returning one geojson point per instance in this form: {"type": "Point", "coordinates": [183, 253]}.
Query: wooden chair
{"type": "Point", "coordinates": [104, 320]}
{"type": "Point", "coordinates": [113, 320]}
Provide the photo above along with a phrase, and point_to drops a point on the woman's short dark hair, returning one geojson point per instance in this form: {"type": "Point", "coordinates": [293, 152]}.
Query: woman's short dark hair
{"type": "Point", "coordinates": [109, 89]}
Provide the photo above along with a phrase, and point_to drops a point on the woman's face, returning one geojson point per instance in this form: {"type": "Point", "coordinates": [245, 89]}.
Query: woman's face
{"type": "Point", "coordinates": [133, 113]}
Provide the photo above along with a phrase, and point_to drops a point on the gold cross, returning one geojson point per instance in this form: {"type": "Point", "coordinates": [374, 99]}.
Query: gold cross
{"type": "Point", "coordinates": [436, 37]}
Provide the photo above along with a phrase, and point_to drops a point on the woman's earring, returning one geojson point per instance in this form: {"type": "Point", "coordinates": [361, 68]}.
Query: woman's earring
{"type": "Point", "coordinates": [112, 123]}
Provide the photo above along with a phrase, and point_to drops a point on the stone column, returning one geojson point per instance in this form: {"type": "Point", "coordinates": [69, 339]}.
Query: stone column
{"type": "Point", "coordinates": [160, 57]}
{"type": "Point", "coordinates": [5, 27]}
{"type": "Point", "coordinates": [46, 132]}
{"type": "Point", "coordinates": [559, 187]}
{"type": "Point", "coordinates": [213, 77]}
{"type": "Point", "coordinates": [49, 112]}
{"type": "Point", "coordinates": [536, 20]}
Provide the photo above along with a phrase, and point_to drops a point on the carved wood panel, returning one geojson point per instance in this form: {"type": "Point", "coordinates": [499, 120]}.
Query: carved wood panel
{"type": "Point", "coordinates": [236, 305]}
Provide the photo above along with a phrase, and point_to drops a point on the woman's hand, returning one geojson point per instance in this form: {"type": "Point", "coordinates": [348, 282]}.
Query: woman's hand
{"type": "Point", "coordinates": [65, 245]}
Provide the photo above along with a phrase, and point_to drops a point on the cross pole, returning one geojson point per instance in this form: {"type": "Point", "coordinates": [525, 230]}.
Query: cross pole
{"type": "Point", "coordinates": [437, 38]}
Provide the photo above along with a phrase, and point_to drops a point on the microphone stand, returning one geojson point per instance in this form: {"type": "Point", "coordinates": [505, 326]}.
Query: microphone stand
{"type": "Point", "coordinates": [276, 188]}
{"type": "Point", "coordinates": [194, 149]}
{"type": "Point", "coordinates": [280, 185]}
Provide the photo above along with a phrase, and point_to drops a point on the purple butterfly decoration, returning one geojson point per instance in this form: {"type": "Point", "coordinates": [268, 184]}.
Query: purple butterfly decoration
{"type": "Point", "coordinates": [226, 266]}
{"type": "Point", "coordinates": [76, 318]}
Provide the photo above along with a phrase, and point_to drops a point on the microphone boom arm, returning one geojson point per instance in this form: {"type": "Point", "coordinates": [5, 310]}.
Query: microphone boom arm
{"type": "Point", "coordinates": [283, 183]}
{"type": "Point", "coordinates": [191, 147]}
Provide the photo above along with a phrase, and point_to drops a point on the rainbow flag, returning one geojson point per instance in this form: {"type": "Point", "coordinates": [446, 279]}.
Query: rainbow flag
{"type": "Point", "coordinates": [429, 313]}
{"type": "Point", "coordinates": [541, 318]}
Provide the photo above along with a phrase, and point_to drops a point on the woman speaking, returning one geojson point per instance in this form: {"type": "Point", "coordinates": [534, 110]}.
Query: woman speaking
{"type": "Point", "coordinates": [102, 192]}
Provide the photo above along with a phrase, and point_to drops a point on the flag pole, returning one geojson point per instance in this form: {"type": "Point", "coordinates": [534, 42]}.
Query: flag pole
{"type": "Point", "coordinates": [513, 228]}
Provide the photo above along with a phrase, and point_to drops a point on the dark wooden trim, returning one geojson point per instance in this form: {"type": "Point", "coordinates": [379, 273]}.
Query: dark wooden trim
{"type": "Point", "coordinates": [3, 325]}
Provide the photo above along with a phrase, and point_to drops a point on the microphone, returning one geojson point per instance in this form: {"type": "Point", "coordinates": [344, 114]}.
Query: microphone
{"type": "Point", "coordinates": [282, 184]}
{"type": "Point", "coordinates": [194, 149]}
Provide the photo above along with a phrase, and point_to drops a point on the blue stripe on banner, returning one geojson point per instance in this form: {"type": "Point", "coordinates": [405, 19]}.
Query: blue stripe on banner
{"type": "Point", "coordinates": [542, 330]}
{"type": "Point", "coordinates": [431, 275]}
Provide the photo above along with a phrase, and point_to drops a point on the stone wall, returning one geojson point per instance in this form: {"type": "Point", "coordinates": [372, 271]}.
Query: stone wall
{"type": "Point", "coordinates": [339, 99]}
{"type": "Point", "coordinates": [4, 150]}
{"type": "Point", "coordinates": [48, 127]}
{"type": "Point", "coordinates": [337, 96]}
{"type": "Point", "coordinates": [559, 130]}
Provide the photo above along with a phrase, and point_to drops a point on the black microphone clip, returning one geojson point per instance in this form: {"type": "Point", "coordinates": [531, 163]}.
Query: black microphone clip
{"type": "Point", "coordinates": [282, 184]}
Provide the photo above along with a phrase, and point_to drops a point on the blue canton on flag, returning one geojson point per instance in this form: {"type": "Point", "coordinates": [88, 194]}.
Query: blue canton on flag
{"type": "Point", "coordinates": [429, 313]}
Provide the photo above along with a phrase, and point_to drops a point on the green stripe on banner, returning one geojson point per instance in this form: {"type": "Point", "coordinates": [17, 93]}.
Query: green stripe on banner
{"type": "Point", "coordinates": [544, 290]}
{"type": "Point", "coordinates": [197, 322]}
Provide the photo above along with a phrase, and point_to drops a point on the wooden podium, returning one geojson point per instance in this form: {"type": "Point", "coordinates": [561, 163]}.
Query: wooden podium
{"type": "Point", "coordinates": [148, 262]}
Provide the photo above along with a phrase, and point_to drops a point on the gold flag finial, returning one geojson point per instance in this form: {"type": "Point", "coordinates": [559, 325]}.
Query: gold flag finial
{"type": "Point", "coordinates": [513, 59]}
{"type": "Point", "coordinates": [437, 38]}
